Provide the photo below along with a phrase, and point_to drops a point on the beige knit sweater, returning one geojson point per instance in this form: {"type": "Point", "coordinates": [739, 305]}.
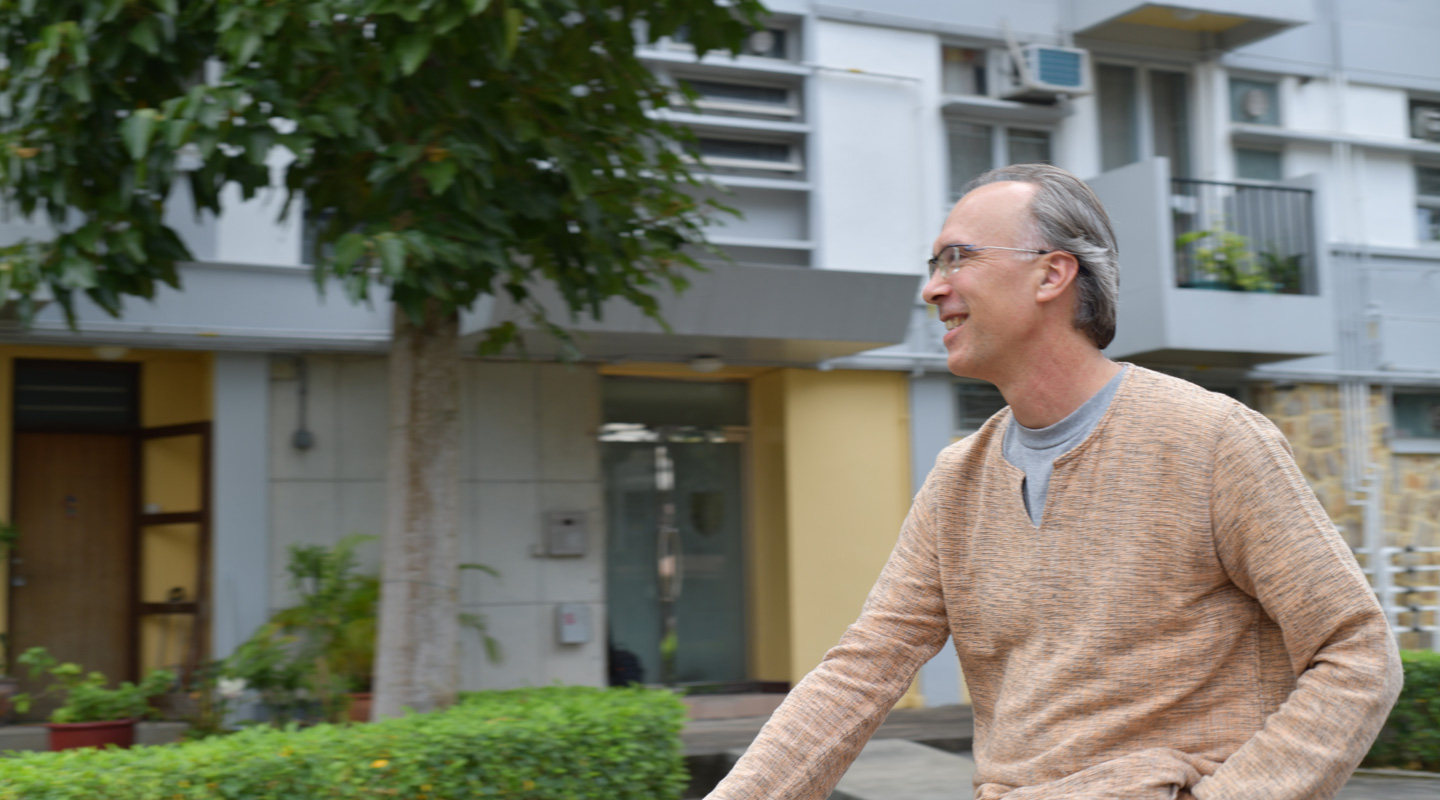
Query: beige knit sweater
{"type": "Point", "coordinates": [1185, 622]}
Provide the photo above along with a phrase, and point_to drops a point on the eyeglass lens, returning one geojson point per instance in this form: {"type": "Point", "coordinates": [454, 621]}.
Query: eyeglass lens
{"type": "Point", "coordinates": [949, 259]}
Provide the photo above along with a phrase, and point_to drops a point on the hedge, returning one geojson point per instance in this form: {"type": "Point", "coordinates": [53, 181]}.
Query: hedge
{"type": "Point", "coordinates": [1411, 736]}
{"type": "Point", "coordinates": [529, 744]}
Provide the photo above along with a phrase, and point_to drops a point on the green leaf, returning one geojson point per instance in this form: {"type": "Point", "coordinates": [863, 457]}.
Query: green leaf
{"type": "Point", "coordinates": [348, 250]}
{"type": "Point", "coordinates": [412, 50]}
{"type": "Point", "coordinates": [440, 174]}
{"type": "Point", "coordinates": [76, 84]}
{"type": "Point", "coordinates": [392, 255]}
{"type": "Point", "coordinates": [477, 6]}
{"type": "Point", "coordinates": [136, 130]}
{"type": "Point", "coordinates": [249, 46]}
{"type": "Point", "coordinates": [144, 36]}
{"type": "Point", "coordinates": [513, 19]}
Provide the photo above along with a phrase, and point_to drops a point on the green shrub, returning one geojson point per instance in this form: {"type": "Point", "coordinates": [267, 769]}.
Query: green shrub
{"type": "Point", "coordinates": [1411, 737]}
{"type": "Point", "coordinates": [531, 744]}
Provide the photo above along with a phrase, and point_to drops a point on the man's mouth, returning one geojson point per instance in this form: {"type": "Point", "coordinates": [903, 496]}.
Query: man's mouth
{"type": "Point", "coordinates": [952, 323]}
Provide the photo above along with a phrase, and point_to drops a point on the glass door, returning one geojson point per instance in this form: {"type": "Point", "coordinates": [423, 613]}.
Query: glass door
{"type": "Point", "coordinates": [675, 560]}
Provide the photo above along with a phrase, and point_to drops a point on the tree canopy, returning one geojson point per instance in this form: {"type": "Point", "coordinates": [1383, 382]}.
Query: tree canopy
{"type": "Point", "coordinates": [457, 148]}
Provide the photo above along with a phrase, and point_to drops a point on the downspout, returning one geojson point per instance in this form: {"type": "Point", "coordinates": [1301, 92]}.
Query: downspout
{"type": "Point", "coordinates": [1364, 479]}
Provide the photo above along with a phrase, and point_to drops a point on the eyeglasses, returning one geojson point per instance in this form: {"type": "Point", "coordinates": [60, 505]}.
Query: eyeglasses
{"type": "Point", "coordinates": [954, 256]}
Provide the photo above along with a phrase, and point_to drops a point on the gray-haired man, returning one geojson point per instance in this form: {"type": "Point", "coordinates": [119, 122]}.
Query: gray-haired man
{"type": "Point", "coordinates": [1146, 599]}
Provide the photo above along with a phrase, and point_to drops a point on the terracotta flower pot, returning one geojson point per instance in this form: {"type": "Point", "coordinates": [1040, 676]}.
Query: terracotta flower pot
{"type": "Point", "coordinates": [73, 735]}
{"type": "Point", "coordinates": [359, 706]}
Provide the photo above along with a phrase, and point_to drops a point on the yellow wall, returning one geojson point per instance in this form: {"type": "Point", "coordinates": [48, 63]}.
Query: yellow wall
{"type": "Point", "coordinates": [847, 466]}
{"type": "Point", "coordinates": [768, 574]}
{"type": "Point", "coordinates": [175, 388]}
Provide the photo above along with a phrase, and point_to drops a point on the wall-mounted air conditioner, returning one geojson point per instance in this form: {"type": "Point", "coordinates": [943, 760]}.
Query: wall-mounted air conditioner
{"type": "Point", "coordinates": [1041, 72]}
{"type": "Point", "coordinates": [1425, 122]}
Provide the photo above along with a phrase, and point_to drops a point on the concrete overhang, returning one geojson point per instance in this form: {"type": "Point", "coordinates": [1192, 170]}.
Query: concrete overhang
{"type": "Point", "coordinates": [741, 314]}
{"type": "Point", "coordinates": [1189, 24]}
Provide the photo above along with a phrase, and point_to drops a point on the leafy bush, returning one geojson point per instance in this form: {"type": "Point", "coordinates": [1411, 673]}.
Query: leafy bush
{"type": "Point", "coordinates": [1411, 736]}
{"type": "Point", "coordinates": [530, 744]}
{"type": "Point", "coordinates": [86, 698]}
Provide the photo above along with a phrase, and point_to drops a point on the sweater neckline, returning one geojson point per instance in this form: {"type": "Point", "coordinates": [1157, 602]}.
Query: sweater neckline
{"type": "Point", "coordinates": [995, 458]}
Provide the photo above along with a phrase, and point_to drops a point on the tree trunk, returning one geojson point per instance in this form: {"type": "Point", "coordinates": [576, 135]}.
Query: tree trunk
{"type": "Point", "coordinates": [417, 659]}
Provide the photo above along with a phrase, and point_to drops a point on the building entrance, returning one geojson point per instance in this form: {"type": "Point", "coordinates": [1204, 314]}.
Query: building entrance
{"type": "Point", "coordinates": [675, 520]}
{"type": "Point", "coordinates": [112, 523]}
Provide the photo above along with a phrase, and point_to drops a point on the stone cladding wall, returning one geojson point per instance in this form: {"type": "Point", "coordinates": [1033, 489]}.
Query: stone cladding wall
{"type": "Point", "coordinates": [1309, 416]}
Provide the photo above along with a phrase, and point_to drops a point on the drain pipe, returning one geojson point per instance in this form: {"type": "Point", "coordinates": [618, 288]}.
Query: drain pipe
{"type": "Point", "coordinates": [1364, 479]}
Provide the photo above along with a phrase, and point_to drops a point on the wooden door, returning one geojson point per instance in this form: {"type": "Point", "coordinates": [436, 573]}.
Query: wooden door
{"type": "Point", "coordinates": [72, 572]}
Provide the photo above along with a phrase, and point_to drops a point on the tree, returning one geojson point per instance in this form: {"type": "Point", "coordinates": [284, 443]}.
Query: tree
{"type": "Point", "coordinates": [453, 148]}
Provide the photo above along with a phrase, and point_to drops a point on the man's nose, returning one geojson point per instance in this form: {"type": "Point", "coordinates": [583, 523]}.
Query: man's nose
{"type": "Point", "coordinates": [935, 287]}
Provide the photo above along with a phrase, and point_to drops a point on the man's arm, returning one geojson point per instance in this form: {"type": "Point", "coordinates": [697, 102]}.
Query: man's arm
{"type": "Point", "coordinates": [1278, 545]}
{"type": "Point", "coordinates": [828, 717]}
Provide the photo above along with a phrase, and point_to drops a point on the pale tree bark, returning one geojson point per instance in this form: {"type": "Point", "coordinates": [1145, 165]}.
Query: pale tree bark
{"type": "Point", "coordinates": [417, 657]}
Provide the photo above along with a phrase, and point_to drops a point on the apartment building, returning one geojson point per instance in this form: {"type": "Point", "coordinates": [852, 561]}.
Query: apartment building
{"type": "Point", "coordinates": [710, 505]}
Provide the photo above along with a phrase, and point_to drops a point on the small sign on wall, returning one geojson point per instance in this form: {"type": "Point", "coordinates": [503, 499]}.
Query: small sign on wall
{"type": "Point", "coordinates": [565, 533]}
{"type": "Point", "coordinates": [572, 623]}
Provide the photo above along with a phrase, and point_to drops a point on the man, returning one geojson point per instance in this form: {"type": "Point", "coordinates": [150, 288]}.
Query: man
{"type": "Point", "coordinates": [1146, 598]}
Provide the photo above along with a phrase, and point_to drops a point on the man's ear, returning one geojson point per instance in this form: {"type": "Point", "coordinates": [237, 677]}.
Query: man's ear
{"type": "Point", "coordinates": [1061, 269]}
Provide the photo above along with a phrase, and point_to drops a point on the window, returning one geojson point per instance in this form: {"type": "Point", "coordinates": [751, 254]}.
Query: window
{"type": "Point", "coordinates": [1256, 164]}
{"type": "Point", "coordinates": [1417, 415]}
{"type": "Point", "coordinates": [974, 404]}
{"type": "Point", "coordinates": [748, 155]}
{"type": "Point", "coordinates": [743, 98]}
{"type": "Point", "coordinates": [766, 43]}
{"type": "Point", "coordinates": [1143, 113]}
{"type": "Point", "coordinates": [1427, 203]}
{"type": "Point", "coordinates": [1425, 120]}
{"type": "Point", "coordinates": [975, 148]}
{"type": "Point", "coordinates": [1256, 102]}
{"type": "Point", "coordinates": [962, 71]}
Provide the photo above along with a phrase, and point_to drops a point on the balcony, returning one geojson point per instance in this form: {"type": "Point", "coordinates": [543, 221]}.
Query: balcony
{"type": "Point", "coordinates": [1243, 237]}
{"type": "Point", "coordinates": [1189, 24]}
{"type": "Point", "coordinates": [1219, 274]}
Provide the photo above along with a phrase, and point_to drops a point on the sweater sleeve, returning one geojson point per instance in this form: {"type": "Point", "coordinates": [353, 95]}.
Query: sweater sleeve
{"type": "Point", "coordinates": [1278, 545]}
{"type": "Point", "coordinates": [809, 742]}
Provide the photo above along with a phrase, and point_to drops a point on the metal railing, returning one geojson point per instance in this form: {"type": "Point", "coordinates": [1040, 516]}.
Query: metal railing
{"type": "Point", "coordinates": [1243, 237]}
{"type": "Point", "coordinates": [1408, 591]}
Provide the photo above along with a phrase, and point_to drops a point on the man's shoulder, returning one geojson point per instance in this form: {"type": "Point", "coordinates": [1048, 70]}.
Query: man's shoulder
{"type": "Point", "coordinates": [1148, 393]}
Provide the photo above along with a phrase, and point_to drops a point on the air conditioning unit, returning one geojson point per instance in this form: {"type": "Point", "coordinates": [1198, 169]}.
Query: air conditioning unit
{"type": "Point", "coordinates": [1425, 123]}
{"type": "Point", "coordinates": [1041, 72]}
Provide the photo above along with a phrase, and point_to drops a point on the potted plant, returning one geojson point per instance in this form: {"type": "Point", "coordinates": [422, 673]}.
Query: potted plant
{"type": "Point", "coordinates": [91, 715]}
{"type": "Point", "coordinates": [1284, 272]}
{"type": "Point", "coordinates": [319, 654]}
{"type": "Point", "coordinates": [1222, 260]}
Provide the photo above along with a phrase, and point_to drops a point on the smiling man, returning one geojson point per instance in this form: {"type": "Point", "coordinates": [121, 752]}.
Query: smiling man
{"type": "Point", "coordinates": [1146, 598]}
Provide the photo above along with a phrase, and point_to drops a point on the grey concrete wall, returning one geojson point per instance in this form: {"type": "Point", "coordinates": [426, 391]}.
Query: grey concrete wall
{"type": "Point", "coordinates": [240, 579]}
{"type": "Point", "coordinates": [529, 448]}
{"type": "Point", "coordinates": [1387, 42]}
{"type": "Point", "coordinates": [932, 424]}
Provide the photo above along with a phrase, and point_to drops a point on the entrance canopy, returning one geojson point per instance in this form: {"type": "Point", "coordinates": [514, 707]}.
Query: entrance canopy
{"type": "Point", "coordinates": [742, 314]}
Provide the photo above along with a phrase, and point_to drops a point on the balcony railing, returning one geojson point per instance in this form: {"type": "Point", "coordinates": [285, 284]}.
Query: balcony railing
{"type": "Point", "coordinates": [1243, 237]}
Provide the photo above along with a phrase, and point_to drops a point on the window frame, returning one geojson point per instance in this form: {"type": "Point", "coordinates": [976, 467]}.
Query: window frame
{"type": "Point", "coordinates": [1429, 202]}
{"type": "Point", "coordinates": [1145, 116]}
{"type": "Point", "coordinates": [958, 430]}
{"type": "Point", "coordinates": [790, 110]}
{"type": "Point", "coordinates": [999, 144]}
{"type": "Point", "coordinates": [1278, 151]}
{"type": "Point", "coordinates": [792, 167]}
{"type": "Point", "coordinates": [1409, 444]}
{"type": "Point", "coordinates": [1274, 81]}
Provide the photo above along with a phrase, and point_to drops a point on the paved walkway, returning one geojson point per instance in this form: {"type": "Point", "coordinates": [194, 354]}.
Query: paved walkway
{"type": "Point", "coordinates": [894, 766]}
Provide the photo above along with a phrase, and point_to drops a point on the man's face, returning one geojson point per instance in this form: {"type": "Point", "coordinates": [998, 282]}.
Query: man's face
{"type": "Point", "coordinates": [988, 304]}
